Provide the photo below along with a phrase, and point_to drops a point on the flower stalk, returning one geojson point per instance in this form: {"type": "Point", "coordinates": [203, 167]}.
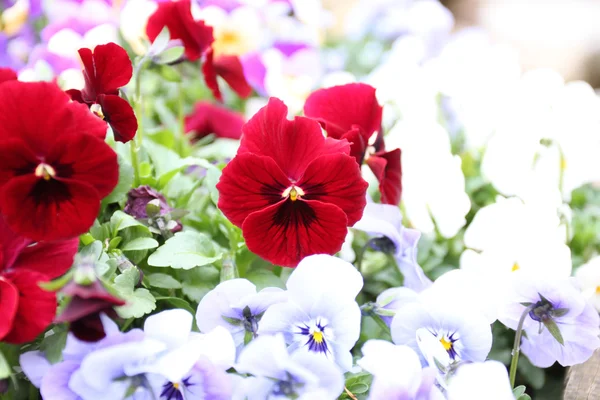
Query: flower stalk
{"type": "Point", "coordinates": [517, 345]}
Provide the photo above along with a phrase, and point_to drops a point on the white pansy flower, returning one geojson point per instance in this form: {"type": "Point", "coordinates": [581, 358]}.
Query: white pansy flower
{"type": "Point", "coordinates": [588, 277]}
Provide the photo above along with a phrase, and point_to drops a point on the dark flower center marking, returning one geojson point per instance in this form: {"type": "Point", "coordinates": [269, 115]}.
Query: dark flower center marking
{"type": "Point", "coordinates": [45, 171]}
{"type": "Point", "coordinates": [383, 244]}
{"type": "Point", "coordinates": [448, 344]}
{"type": "Point", "coordinates": [288, 387]}
{"type": "Point", "coordinates": [172, 390]}
{"type": "Point", "coordinates": [316, 337]}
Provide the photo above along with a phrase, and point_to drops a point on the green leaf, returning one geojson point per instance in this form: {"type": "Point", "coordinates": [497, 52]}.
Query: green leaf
{"type": "Point", "coordinates": [199, 281]}
{"type": "Point", "coordinates": [358, 388]}
{"type": "Point", "coordinates": [53, 344]}
{"type": "Point", "coordinates": [139, 301]}
{"type": "Point", "coordinates": [160, 42]}
{"type": "Point", "coordinates": [163, 281]}
{"type": "Point", "coordinates": [185, 250]}
{"type": "Point", "coordinates": [554, 331]}
{"type": "Point", "coordinates": [524, 397]}
{"type": "Point", "coordinates": [172, 54]}
{"type": "Point", "coordinates": [140, 243]}
{"type": "Point", "coordinates": [518, 391]}
{"type": "Point", "coordinates": [119, 221]}
{"type": "Point", "coordinates": [178, 303]}
{"type": "Point", "coordinates": [5, 369]}
{"type": "Point", "coordinates": [92, 250]}
{"type": "Point", "coordinates": [263, 278]}
{"type": "Point", "coordinates": [169, 73]}
{"type": "Point", "coordinates": [125, 182]}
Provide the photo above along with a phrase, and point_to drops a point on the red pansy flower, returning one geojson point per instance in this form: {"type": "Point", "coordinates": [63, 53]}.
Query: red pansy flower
{"type": "Point", "coordinates": [352, 112]}
{"type": "Point", "coordinates": [84, 309]}
{"type": "Point", "coordinates": [27, 309]}
{"type": "Point", "coordinates": [107, 69]}
{"type": "Point", "coordinates": [55, 166]}
{"type": "Point", "coordinates": [210, 118]}
{"type": "Point", "coordinates": [230, 69]}
{"type": "Point", "coordinates": [177, 17]}
{"type": "Point", "coordinates": [291, 190]}
{"type": "Point", "coordinates": [7, 74]}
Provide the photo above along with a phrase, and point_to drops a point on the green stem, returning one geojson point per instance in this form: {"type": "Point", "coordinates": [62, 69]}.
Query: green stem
{"type": "Point", "coordinates": [380, 322]}
{"type": "Point", "coordinates": [517, 346]}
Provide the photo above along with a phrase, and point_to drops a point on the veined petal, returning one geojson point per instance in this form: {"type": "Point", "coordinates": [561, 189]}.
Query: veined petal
{"type": "Point", "coordinates": [250, 183]}
{"type": "Point", "coordinates": [286, 232]}
{"type": "Point", "coordinates": [120, 116]}
{"type": "Point", "coordinates": [340, 107]}
{"type": "Point", "coordinates": [50, 258]}
{"type": "Point", "coordinates": [9, 303]}
{"type": "Point", "coordinates": [11, 245]}
{"type": "Point", "coordinates": [111, 70]}
{"type": "Point", "coordinates": [358, 144]}
{"type": "Point", "coordinates": [36, 307]}
{"type": "Point", "coordinates": [336, 179]}
{"type": "Point", "coordinates": [48, 210]}
{"type": "Point", "coordinates": [230, 69]}
{"type": "Point", "coordinates": [388, 170]}
{"type": "Point", "coordinates": [291, 144]}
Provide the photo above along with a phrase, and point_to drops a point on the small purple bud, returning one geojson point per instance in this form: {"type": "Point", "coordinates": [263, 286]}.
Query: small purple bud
{"type": "Point", "coordinates": [138, 199]}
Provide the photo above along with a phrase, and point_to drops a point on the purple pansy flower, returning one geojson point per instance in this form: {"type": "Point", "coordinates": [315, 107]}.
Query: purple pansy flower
{"type": "Point", "coordinates": [561, 325]}
{"type": "Point", "coordinates": [386, 221]}
{"type": "Point", "coordinates": [391, 300]}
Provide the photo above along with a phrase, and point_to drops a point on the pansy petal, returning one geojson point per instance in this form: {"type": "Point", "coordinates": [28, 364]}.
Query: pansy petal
{"type": "Point", "coordinates": [11, 245]}
{"type": "Point", "coordinates": [335, 179]}
{"type": "Point", "coordinates": [35, 366]}
{"type": "Point", "coordinates": [230, 69]}
{"type": "Point", "coordinates": [386, 167]}
{"type": "Point", "coordinates": [210, 118]}
{"type": "Point", "coordinates": [264, 356]}
{"type": "Point", "coordinates": [381, 219]}
{"type": "Point", "coordinates": [358, 144]}
{"type": "Point", "coordinates": [36, 307]}
{"type": "Point", "coordinates": [7, 74]}
{"type": "Point", "coordinates": [9, 303]}
{"type": "Point", "coordinates": [291, 144]}
{"type": "Point", "coordinates": [55, 384]}
{"type": "Point", "coordinates": [249, 183]}
{"type": "Point", "coordinates": [286, 232]}
{"type": "Point", "coordinates": [120, 116]}
{"type": "Point", "coordinates": [282, 318]}
{"type": "Point", "coordinates": [112, 69]}
{"type": "Point", "coordinates": [340, 107]}
{"type": "Point", "coordinates": [55, 211]}
{"type": "Point", "coordinates": [177, 17]}
{"type": "Point", "coordinates": [50, 258]}
{"type": "Point", "coordinates": [170, 326]}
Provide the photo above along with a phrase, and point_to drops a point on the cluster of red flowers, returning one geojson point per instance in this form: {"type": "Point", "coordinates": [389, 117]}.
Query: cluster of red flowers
{"type": "Point", "coordinates": [293, 191]}
{"type": "Point", "coordinates": [197, 39]}
{"type": "Point", "coordinates": [54, 171]}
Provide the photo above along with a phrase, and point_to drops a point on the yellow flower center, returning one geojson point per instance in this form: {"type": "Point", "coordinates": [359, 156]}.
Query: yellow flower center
{"type": "Point", "coordinates": [176, 386]}
{"type": "Point", "coordinates": [45, 171]}
{"type": "Point", "coordinates": [597, 289]}
{"type": "Point", "coordinates": [14, 17]}
{"type": "Point", "coordinates": [293, 192]}
{"type": "Point", "coordinates": [229, 42]}
{"type": "Point", "coordinates": [318, 337]}
{"type": "Point", "coordinates": [515, 267]}
{"type": "Point", "coordinates": [447, 344]}
{"type": "Point", "coordinates": [96, 109]}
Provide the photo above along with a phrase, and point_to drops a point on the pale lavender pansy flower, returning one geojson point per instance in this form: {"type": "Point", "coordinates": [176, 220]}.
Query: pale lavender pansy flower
{"type": "Point", "coordinates": [385, 221]}
{"type": "Point", "coordinates": [279, 375]}
{"type": "Point", "coordinates": [391, 300]}
{"type": "Point", "coordinates": [480, 380]}
{"type": "Point", "coordinates": [557, 313]}
{"type": "Point", "coordinates": [397, 373]}
{"type": "Point", "coordinates": [236, 306]}
{"type": "Point", "coordinates": [443, 332]}
{"type": "Point", "coordinates": [320, 315]}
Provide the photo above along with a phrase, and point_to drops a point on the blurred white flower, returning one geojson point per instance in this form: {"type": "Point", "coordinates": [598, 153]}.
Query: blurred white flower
{"type": "Point", "coordinates": [433, 182]}
{"type": "Point", "coordinates": [480, 380]}
{"type": "Point", "coordinates": [133, 19]}
{"type": "Point", "coordinates": [552, 133]}
{"type": "Point", "coordinates": [237, 32]}
{"type": "Point", "coordinates": [588, 277]}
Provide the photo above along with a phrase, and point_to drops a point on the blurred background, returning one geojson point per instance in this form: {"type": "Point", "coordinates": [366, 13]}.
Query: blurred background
{"type": "Point", "coordinates": [560, 34]}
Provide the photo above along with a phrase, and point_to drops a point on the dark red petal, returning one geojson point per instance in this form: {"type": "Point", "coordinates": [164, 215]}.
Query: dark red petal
{"type": "Point", "coordinates": [358, 145]}
{"type": "Point", "coordinates": [112, 68]}
{"type": "Point", "coordinates": [75, 95]}
{"type": "Point", "coordinates": [340, 107]}
{"type": "Point", "coordinates": [7, 74]}
{"type": "Point", "coordinates": [36, 308]}
{"type": "Point", "coordinates": [53, 259]}
{"type": "Point", "coordinates": [85, 159]}
{"type": "Point", "coordinates": [210, 118]}
{"type": "Point", "coordinates": [39, 113]}
{"type": "Point", "coordinates": [49, 210]}
{"type": "Point", "coordinates": [292, 144]}
{"type": "Point", "coordinates": [210, 75]}
{"type": "Point", "coordinates": [17, 159]}
{"type": "Point", "coordinates": [249, 183]}
{"type": "Point", "coordinates": [80, 308]}
{"type": "Point", "coordinates": [95, 290]}
{"type": "Point", "coordinates": [89, 328]}
{"type": "Point", "coordinates": [11, 245]}
{"type": "Point", "coordinates": [177, 16]}
{"type": "Point", "coordinates": [89, 75]}
{"type": "Point", "coordinates": [388, 169]}
{"type": "Point", "coordinates": [288, 231]}
{"type": "Point", "coordinates": [231, 70]}
{"type": "Point", "coordinates": [120, 116]}
{"type": "Point", "coordinates": [9, 303]}
{"type": "Point", "coordinates": [336, 179]}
